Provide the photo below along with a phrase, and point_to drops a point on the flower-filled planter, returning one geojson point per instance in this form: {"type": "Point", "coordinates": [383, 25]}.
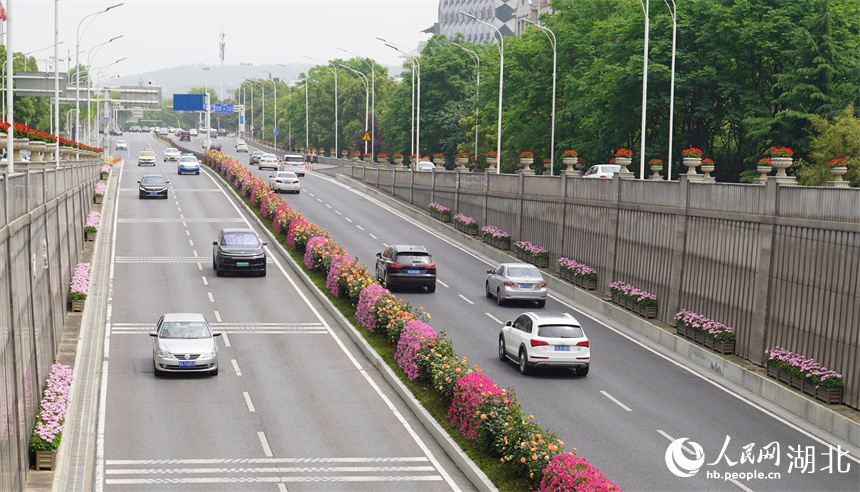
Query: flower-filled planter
{"type": "Point", "coordinates": [99, 192]}
{"type": "Point", "coordinates": [51, 417]}
{"type": "Point", "coordinates": [709, 333]}
{"type": "Point", "coordinates": [636, 300]}
{"type": "Point", "coordinates": [440, 212]}
{"type": "Point", "coordinates": [105, 172]}
{"type": "Point", "coordinates": [496, 237]}
{"type": "Point", "coordinates": [581, 275]}
{"type": "Point", "coordinates": [805, 375]}
{"type": "Point", "coordinates": [79, 287]}
{"type": "Point", "coordinates": [91, 227]}
{"type": "Point", "coordinates": [466, 224]}
{"type": "Point", "coordinates": [531, 253]}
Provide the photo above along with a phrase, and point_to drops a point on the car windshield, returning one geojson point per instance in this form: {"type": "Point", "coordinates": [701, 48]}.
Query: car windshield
{"type": "Point", "coordinates": [184, 329]}
{"type": "Point", "coordinates": [240, 239]}
{"type": "Point", "coordinates": [171, 151]}
{"type": "Point", "coordinates": [294, 159]}
{"type": "Point", "coordinates": [523, 272]}
{"type": "Point", "coordinates": [287, 175]}
{"type": "Point", "coordinates": [152, 180]}
{"type": "Point", "coordinates": [120, 141]}
{"type": "Point", "coordinates": [240, 141]}
{"type": "Point", "coordinates": [146, 153]}
{"type": "Point", "coordinates": [560, 331]}
{"type": "Point", "coordinates": [611, 169]}
{"type": "Point", "coordinates": [413, 258]}
{"type": "Point", "coordinates": [188, 159]}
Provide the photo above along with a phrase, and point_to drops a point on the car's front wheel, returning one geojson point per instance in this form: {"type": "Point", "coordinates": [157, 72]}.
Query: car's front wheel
{"type": "Point", "coordinates": [524, 362]}
{"type": "Point", "coordinates": [502, 352]}
{"type": "Point", "coordinates": [218, 271]}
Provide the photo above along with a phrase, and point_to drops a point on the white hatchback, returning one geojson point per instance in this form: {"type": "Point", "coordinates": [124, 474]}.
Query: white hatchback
{"type": "Point", "coordinates": [545, 340]}
{"type": "Point", "coordinates": [269, 161]}
{"type": "Point", "coordinates": [285, 181]}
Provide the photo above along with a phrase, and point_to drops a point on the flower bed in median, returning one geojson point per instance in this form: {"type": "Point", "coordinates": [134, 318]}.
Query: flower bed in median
{"type": "Point", "coordinates": [488, 416]}
{"type": "Point", "coordinates": [51, 418]}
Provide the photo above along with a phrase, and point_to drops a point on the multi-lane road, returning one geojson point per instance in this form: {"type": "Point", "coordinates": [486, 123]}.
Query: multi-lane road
{"type": "Point", "coordinates": [294, 406]}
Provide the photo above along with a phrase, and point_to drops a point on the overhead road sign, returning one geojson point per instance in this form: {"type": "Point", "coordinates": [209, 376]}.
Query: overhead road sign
{"type": "Point", "coordinates": [188, 102]}
{"type": "Point", "coordinates": [221, 108]}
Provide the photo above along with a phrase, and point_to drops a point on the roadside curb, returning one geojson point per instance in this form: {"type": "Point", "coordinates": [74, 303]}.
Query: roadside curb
{"type": "Point", "coordinates": [721, 370]}
{"type": "Point", "coordinates": [451, 448]}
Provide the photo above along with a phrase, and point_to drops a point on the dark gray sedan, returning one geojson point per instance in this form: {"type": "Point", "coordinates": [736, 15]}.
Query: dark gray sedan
{"type": "Point", "coordinates": [238, 251]}
{"type": "Point", "coordinates": [152, 186]}
{"type": "Point", "coordinates": [516, 281]}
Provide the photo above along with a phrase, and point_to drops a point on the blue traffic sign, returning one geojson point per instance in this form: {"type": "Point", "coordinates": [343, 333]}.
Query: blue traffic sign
{"type": "Point", "coordinates": [221, 108]}
{"type": "Point", "coordinates": [275, 132]}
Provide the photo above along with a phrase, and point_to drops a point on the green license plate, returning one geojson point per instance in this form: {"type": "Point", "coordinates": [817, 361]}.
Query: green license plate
{"type": "Point", "coordinates": [242, 264]}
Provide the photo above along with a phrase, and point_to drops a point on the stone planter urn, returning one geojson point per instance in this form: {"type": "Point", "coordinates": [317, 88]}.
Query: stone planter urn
{"type": "Point", "coordinates": [37, 149]}
{"type": "Point", "coordinates": [570, 162]}
{"type": "Point", "coordinates": [491, 163]}
{"type": "Point", "coordinates": [343, 154]}
{"type": "Point", "coordinates": [655, 170]}
{"type": "Point", "coordinates": [707, 177]}
{"type": "Point", "coordinates": [763, 172]}
{"type": "Point", "coordinates": [461, 164]}
{"type": "Point", "coordinates": [623, 173]}
{"type": "Point", "coordinates": [524, 165]}
{"type": "Point", "coordinates": [837, 173]}
{"type": "Point", "coordinates": [354, 158]}
{"type": "Point", "coordinates": [439, 162]}
{"type": "Point", "coordinates": [691, 163]}
{"type": "Point", "coordinates": [381, 160]}
{"type": "Point", "coordinates": [781, 164]}
{"type": "Point", "coordinates": [398, 162]}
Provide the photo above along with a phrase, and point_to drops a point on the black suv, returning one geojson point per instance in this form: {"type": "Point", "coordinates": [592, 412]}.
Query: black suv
{"type": "Point", "coordinates": [238, 250]}
{"type": "Point", "coordinates": [406, 265]}
{"type": "Point", "coordinates": [184, 136]}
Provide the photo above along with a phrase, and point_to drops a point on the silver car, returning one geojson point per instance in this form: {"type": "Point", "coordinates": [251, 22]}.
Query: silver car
{"type": "Point", "coordinates": [171, 154]}
{"type": "Point", "coordinates": [605, 171]}
{"type": "Point", "coordinates": [516, 281]}
{"type": "Point", "coordinates": [183, 342]}
{"type": "Point", "coordinates": [284, 181]}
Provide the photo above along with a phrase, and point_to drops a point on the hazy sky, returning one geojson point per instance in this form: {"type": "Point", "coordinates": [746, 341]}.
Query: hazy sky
{"type": "Point", "coordinates": [161, 34]}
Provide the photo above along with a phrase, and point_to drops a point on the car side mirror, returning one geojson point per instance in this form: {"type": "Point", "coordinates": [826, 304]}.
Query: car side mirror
{"type": "Point", "coordinates": [214, 243]}
{"type": "Point", "coordinates": [138, 181]}
{"type": "Point", "coordinates": [265, 244]}
{"type": "Point", "coordinates": [216, 333]}
{"type": "Point", "coordinates": [379, 255]}
{"type": "Point", "coordinates": [489, 271]}
{"type": "Point", "coordinates": [153, 334]}
{"type": "Point", "coordinates": [509, 323]}
{"type": "Point", "coordinates": [167, 182]}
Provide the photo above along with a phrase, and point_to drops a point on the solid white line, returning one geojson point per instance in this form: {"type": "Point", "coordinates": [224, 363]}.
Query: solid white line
{"type": "Point", "coordinates": [464, 298]}
{"type": "Point", "coordinates": [497, 320]}
{"type": "Point", "coordinates": [266, 449]}
{"type": "Point", "coordinates": [625, 407]}
{"type": "Point", "coordinates": [442, 283]}
{"type": "Point", "coordinates": [359, 227]}
{"type": "Point", "coordinates": [249, 402]}
{"type": "Point", "coordinates": [217, 316]}
{"type": "Point", "coordinates": [282, 487]}
{"type": "Point", "coordinates": [226, 340]}
{"type": "Point", "coordinates": [300, 479]}
{"type": "Point", "coordinates": [691, 452]}
{"type": "Point", "coordinates": [272, 469]}
{"type": "Point", "coordinates": [235, 366]}
{"type": "Point", "coordinates": [205, 281]}
{"type": "Point", "coordinates": [233, 461]}
{"type": "Point", "coordinates": [211, 297]}
{"type": "Point", "coordinates": [371, 235]}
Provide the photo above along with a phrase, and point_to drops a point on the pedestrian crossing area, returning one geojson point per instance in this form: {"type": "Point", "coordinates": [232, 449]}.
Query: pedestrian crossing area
{"type": "Point", "coordinates": [298, 328]}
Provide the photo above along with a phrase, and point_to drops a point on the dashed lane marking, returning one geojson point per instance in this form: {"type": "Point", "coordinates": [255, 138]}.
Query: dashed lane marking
{"type": "Point", "coordinates": [371, 235]}
{"type": "Point", "coordinates": [443, 284]}
{"type": "Point", "coordinates": [465, 299]}
{"type": "Point", "coordinates": [497, 320]}
{"type": "Point", "coordinates": [248, 401]}
{"type": "Point", "coordinates": [359, 227]}
{"type": "Point", "coordinates": [625, 407]}
{"type": "Point", "coordinates": [266, 449]}
{"type": "Point", "coordinates": [236, 367]}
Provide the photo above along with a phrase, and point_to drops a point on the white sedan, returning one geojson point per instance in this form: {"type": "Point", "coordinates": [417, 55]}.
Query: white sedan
{"type": "Point", "coordinates": [121, 145]}
{"type": "Point", "coordinates": [268, 161]}
{"type": "Point", "coordinates": [285, 181]}
{"type": "Point", "coordinates": [171, 154]}
{"type": "Point", "coordinates": [545, 340]}
{"type": "Point", "coordinates": [602, 171]}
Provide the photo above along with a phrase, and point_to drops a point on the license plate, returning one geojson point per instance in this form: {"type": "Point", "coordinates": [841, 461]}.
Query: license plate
{"type": "Point", "coordinates": [562, 348]}
{"type": "Point", "coordinates": [242, 264]}
{"type": "Point", "coordinates": [153, 193]}
{"type": "Point", "coordinates": [526, 286]}
{"type": "Point", "coordinates": [187, 363]}
{"type": "Point", "coordinates": [411, 271]}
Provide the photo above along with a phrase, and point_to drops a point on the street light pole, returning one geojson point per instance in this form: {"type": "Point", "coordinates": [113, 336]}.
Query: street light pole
{"type": "Point", "coordinates": [645, 8]}
{"type": "Point", "coordinates": [477, 61]}
{"type": "Point", "coordinates": [90, 56]}
{"type": "Point", "coordinates": [673, 10]}
{"type": "Point", "coordinates": [372, 101]}
{"type": "Point", "coordinates": [307, 125]}
{"type": "Point", "coordinates": [416, 106]}
{"type": "Point", "coordinates": [366, 95]}
{"type": "Point", "coordinates": [501, 84]}
{"type": "Point", "coordinates": [549, 33]}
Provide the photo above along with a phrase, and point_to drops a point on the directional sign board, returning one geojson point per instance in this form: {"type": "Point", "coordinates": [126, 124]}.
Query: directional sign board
{"type": "Point", "coordinates": [221, 108]}
{"type": "Point", "coordinates": [188, 102]}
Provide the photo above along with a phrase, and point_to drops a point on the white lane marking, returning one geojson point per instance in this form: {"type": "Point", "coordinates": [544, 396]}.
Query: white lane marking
{"type": "Point", "coordinates": [497, 320]}
{"type": "Point", "coordinates": [348, 219]}
{"type": "Point", "coordinates": [271, 469]}
{"type": "Point", "coordinates": [443, 284]}
{"type": "Point", "coordinates": [693, 453]}
{"type": "Point", "coordinates": [226, 340]}
{"type": "Point", "coordinates": [385, 246]}
{"type": "Point", "coordinates": [464, 298]}
{"type": "Point", "coordinates": [200, 266]}
{"type": "Point", "coordinates": [195, 253]}
{"type": "Point", "coordinates": [625, 407]}
{"type": "Point", "coordinates": [266, 449]}
{"type": "Point", "coordinates": [319, 200]}
{"type": "Point", "coordinates": [217, 316]}
{"type": "Point", "coordinates": [282, 487]}
{"type": "Point", "coordinates": [236, 367]}
{"type": "Point", "coordinates": [327, 205]}
{"type": "Point", "coordinates": [211, 297]}
{"type": "Point", "coordinates": [359, 227]}
{"type": "Point", "coordinates": [249, 402]}
{"type": "Point", "coordinates": [191, 243]}
{"type": "Point", "coordinates": [293, 479]}
{"type": "Point", "coordinates": [178, 207]}
{"type": "Point", "coordinates": [338, 212]}
{"type": "Point", "coordinates": [205, 281]}
{"type": "Point", "coordinates": [187, 232]}
{"type": "Point", "coordinates": [268, 461]}
{"type": "Point", "coordinates": [371, 235]}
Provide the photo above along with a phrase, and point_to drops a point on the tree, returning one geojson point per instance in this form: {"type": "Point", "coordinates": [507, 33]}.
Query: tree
{"type": "Point", "coordinates": [839, 137]}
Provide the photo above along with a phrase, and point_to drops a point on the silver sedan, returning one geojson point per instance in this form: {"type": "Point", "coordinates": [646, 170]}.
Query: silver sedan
{"type": "Point", "coordinates": [284, 181]}
{"type": "Point", "coordinates": [516, 281]}
{"type": "Point", "coordinates": [183, 342]}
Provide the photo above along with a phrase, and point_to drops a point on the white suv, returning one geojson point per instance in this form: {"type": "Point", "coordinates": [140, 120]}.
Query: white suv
{"type": "Point", "coordinates": [268, 161]}
{"type": "Point", "coordinates": [294, 163]}
{"type": "Point", "coordinates": [545, 340]}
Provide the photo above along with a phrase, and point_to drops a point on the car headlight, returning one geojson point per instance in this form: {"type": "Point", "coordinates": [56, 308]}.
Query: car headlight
{"type": "Point", "coordinates": [165, 354]}
{"type": "Point", "coordinates": [208, 355]}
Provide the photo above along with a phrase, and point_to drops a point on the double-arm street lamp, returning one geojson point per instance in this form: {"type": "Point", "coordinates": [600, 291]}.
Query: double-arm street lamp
{"type": "Point", "coordinates": [275, 110]}
{"type": "Point", "coordinates": [501, 84]}
{"type": "Point", "coordinates": [90, 57]}
{"type": "Point", "coordinates": [551, 36]}
{"type": "Point", "coordinates": [646, 4]}
{"type": "Point", "coordinates": [477, 61]}
{"type": "Point", "coordinates": [673, 11]}
{"type": "Point", "coordinates": [372, 101]}
{"type": "Point", "coordinates": [416, 104]}
{"type": "Point", "coordinates": [364, 81]}
{"type": "Point", "coordinates": [78, 36]}
{"type": "Point", "coordinates": [333, 70]}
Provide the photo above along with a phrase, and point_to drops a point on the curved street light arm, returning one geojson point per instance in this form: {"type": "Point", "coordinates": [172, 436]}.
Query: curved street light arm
{"type": "Point", "coordinates": [551, 36]}
{"type": "Point", "coordinates": [673, 11]}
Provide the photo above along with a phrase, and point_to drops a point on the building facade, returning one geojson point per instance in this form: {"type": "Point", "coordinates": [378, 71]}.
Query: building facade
{"type": "Point", "coordinates": [506, 15]}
